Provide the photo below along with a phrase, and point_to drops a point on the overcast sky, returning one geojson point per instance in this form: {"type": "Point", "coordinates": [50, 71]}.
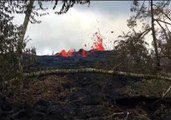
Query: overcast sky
{"type": "Point", "coordinates": [76, 28]}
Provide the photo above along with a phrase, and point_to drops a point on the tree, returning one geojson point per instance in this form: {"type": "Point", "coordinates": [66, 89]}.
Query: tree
{"type": "Point", "coordinates": [154, 36]}
{"type": "Point", "coordinates": [12, 42]}
{"type": "Point", "coordinates": [27, 7]}
{"type": "Point", "coordinates": [9, 36]}
{"type": "Point", "coordinates": [131, 49]}
{"type": "Point", "coordinates": [154, 14]}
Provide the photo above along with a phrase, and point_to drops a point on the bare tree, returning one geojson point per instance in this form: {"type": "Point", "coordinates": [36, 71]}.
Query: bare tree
{"type": "Point", "coordinates": [154, 14]}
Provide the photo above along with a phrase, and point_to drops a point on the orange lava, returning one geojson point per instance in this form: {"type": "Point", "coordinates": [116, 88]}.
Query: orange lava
{"type": "Point", "coordinates": [64, 53]}
{"type": "Point", "coordinates": [97, 46]}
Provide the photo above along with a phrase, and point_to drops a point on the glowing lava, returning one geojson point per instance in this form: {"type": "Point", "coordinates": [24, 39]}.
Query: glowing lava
{"type": "Point", "coordinates": [97, 46]}
{"type": "Point", "coordinates": [64, 53]}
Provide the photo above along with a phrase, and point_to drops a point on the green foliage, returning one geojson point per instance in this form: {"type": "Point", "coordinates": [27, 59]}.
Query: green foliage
{"type": "Point", "coordinates": [9, 35]}
{"type": "Point", "coordinates": [132, 50]}
{"type": "Point", "coordinates": [9, 44]}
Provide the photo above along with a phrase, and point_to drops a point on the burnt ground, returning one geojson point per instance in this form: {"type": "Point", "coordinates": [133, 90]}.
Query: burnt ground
{"type": "Point", "coordinates": [87, 96]}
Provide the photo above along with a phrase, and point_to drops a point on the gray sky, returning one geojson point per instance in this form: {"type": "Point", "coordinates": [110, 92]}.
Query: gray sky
{"type": "Point", "coordinates": [76, 28]}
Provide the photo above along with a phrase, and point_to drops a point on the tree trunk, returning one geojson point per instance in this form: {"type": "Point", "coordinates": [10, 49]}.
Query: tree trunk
{"type": "Point", "coordinates": [21, 40]}
{"type": "Point", "coordinates": [154, 38]}
{"type": "Point", "coordinates": [100, 71]}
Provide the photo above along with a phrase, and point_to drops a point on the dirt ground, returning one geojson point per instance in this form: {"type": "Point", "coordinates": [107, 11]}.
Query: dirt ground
{"type": "Point", "coordinates": [87, 96]}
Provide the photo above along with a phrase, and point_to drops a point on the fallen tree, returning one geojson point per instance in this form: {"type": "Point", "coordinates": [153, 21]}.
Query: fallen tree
{"type": "Point", "coordinates": [93, 70]}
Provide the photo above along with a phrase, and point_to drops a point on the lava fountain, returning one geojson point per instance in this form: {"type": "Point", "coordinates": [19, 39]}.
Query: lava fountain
{"type": "Point", "coordinates": [98, 43]}
{"type": "Point", "coordinates": [97, 46]}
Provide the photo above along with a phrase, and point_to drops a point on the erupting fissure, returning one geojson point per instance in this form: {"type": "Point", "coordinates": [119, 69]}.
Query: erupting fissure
{"type": "Point", "coordinates": [97, 46]}
{"type": "Point", "coordinates": [98, 43]}
{"type": "Point", "coordinates": [64, 53]}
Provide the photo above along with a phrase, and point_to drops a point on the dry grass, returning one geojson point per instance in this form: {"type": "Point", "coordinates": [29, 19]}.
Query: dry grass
{"type": "Point", "coordinates": [48, 88]}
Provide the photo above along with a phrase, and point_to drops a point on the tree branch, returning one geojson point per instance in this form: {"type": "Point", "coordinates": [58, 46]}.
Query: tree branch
{"type": "Point", "coordinates": [166, 92]}
{"type": "Point", "coordinates": [162, 29]}
{"type": "Point", "coordinates": [163, 21]}
{"type": "Point", "coordinates": [163, 12]}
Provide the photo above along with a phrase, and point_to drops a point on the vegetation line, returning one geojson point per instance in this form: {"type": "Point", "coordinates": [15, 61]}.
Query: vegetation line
{"type": "Point", "coordinates": [93, 70]}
